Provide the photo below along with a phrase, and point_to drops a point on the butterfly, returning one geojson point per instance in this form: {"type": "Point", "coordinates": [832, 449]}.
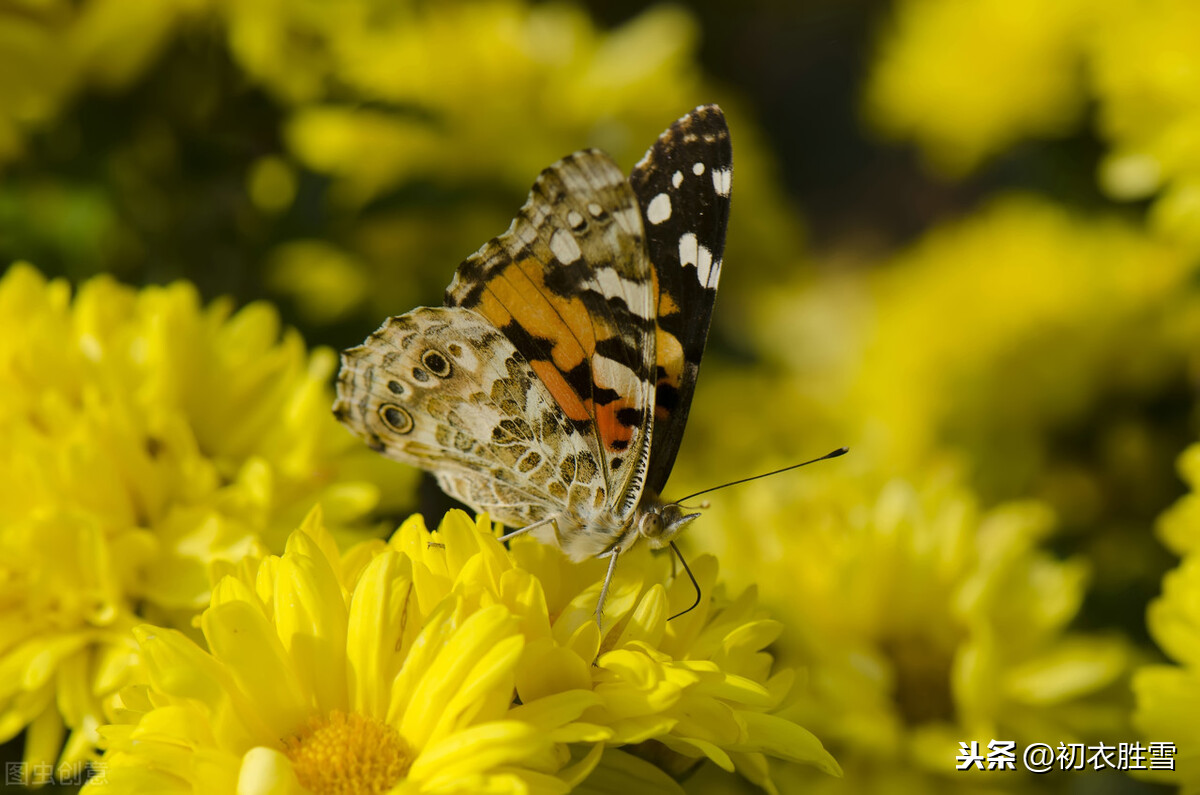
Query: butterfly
{"type": "Point", "coordinates": [552, 388]}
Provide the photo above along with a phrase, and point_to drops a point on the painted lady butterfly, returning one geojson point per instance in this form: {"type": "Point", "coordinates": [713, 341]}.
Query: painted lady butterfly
{"type": "Point", "coordinates": [553, 387]}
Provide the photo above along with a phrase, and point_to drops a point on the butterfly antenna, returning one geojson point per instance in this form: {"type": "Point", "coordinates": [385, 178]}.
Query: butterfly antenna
{"type": "Point", "coordinates": [691, 577]}
{"type": "Point", "coordinates": [834, 454]}
{"type": "Point", "coordinates": [838, 452]}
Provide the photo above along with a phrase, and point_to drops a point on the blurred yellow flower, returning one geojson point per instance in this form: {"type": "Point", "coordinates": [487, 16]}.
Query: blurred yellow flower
{"type": "Point", "coordinates": [323, 676]}
{"type": "Point", "coordinates": [446, 67]}
{"type": "Point", "coordinates": [985, 337]}
{"type": "Point", "coordinates": [921, 622]}
{"type": "Point", "coordinates": [1012, 319]}
{"type": "Point", "coordinates": [271, 184]}
{"type": "Point", "coordinates": [967, 78]}
{"type": "Point", "coordinates": [1179, 525]}
{"type": "Point", "coordinates": [49, 49]}
{"type": "Point", "coordinates": [145, 436]}
{"type": "Point", "coordinates": [1145, 62]}
{"type": "Point", "coordinates": [1168, 695]}
{"type": "Point", "coordinates": [326, 282]}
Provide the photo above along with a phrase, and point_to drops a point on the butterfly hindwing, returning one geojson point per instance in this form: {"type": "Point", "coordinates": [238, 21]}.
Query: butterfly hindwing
{"type": "Point", "coordinates": [683, 186]}
{"type": "Point", "coordinates": [569, 284]}
{"type": "Point", "coordinates": [443, 390]}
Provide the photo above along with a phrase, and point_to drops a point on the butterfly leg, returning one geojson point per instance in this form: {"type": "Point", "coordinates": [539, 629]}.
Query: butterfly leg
{"type": "Point", "coordinates": [612, 567]}
{"type": "Point", "coordinates": [520, 531]}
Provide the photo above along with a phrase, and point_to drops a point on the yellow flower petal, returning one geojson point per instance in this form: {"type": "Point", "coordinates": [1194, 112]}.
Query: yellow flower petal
{"type": "Point", "coordinates": [773, 735]}
{"type": "Point", "coordinates": [547, 669]}
{"type": "Point", "coordinates": [266, 771]}
{"type": "Point", "coordinates": [241, 638]}
{"type": "Point", "coordinates": [382, 625]}
{"type": "Point", "coordinates": [622, 772]}
{"type": "Point", "coordinates": [477, 749]}
{"type": "Point", "coordinates": [310, 620]}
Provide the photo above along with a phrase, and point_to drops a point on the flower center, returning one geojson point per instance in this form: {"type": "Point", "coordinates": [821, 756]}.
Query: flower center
{"type": "Point", "coordinates": [923, 674]}
{"type": "Point", "coordinates": [348, 753]}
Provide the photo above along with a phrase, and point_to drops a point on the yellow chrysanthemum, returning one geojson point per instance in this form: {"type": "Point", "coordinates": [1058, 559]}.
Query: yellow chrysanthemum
{"type": "Point", "coordinates": [1179, 525]}
{"type": "Point", "coordinates": [1169, 695]}
{"type": "Point", "coordinates": [324, 676]}
{"type": "Point", "coordinates": [1057, 303]}
{"type": "Point", "coordinates": [987, 337]}
{"type": "Point", "coordinates": [698, 687]}
{"type": "Point", "coordinates": [145, 436]}
{"type": "Point", "coordinates": [1145, 59]}
{"type": "Point", "coordinates": [966, 78]}
{"type": "Point", "coordinates": [459, 62]}
{"type": "Point", "coordinates": [921, 623]}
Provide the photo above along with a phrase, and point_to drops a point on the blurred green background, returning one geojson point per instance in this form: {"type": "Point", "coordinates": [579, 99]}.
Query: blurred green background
{"type": "Point", "coordinates": [963, 241]}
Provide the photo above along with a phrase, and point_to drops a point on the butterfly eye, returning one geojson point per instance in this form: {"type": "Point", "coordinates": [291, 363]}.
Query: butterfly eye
{"type": "Point", "coordinates": [396, 418]}
{"type": "Point", "coordinates": [651, 525]}
{"type": "Point", "coordinates": [436, 363]}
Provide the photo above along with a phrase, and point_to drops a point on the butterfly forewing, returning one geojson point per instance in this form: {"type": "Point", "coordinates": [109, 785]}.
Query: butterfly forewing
{"type": "Point", "coordinates": [569, 284]}
{"type": "Point", "coordinates": [683, 186]}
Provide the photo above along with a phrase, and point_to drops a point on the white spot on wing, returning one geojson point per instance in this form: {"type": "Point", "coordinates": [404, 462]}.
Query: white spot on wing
{"type": "Point", "coordinates": [704, 263]}
{"type": "Point", "coordinates": [574, 219]}
{"type": "Point", "coordinates": [467, 359]}
{"type": "Point", "coordinates": [698, 169]}
{"type": "Point", "coordinates": [612, 283]}
{"type": "Point", "coordinates": [659, 209]}
{"type": "Point", "coordinates": [688, 249]}
{"type": "Point", "coordinates": [677, 178]}
{"type": "Point", "coordinates": [563, 244]}
{"type": "Point", "coordinates": [616, 375]}
{"type": "Point", "coordinates": [721, 179]}
{"type": "Point", "coordinates": [595, 209]}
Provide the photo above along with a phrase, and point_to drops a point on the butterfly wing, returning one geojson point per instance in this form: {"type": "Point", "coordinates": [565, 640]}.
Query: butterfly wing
{"type": "Point", "coordinates": [443, 390]}
{"type": "Point", "coordinates": [569, 284]}
{"type": "Point", "coordinates": [682, 186]}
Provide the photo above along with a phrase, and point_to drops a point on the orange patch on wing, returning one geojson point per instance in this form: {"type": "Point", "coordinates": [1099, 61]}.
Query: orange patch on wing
{"type": "Point", "coordinates": [560, 390]}
{"type": "Point", "coordinates": [491, 308]}
{"type": "Point", "coordinates": [669, 356]}
{"type": "Point", "coordinates": [667, 305]}
{"type": "Point", "coordinates": [519, 292]}
{"type": "Point", "coordinates": [575, 339]}
{"type": "Point", "coordinates": [612, 429]}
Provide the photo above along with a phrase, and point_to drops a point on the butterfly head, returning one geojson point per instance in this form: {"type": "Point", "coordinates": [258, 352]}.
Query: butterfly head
{"type": "Point", "coordinates": [659, 523]}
